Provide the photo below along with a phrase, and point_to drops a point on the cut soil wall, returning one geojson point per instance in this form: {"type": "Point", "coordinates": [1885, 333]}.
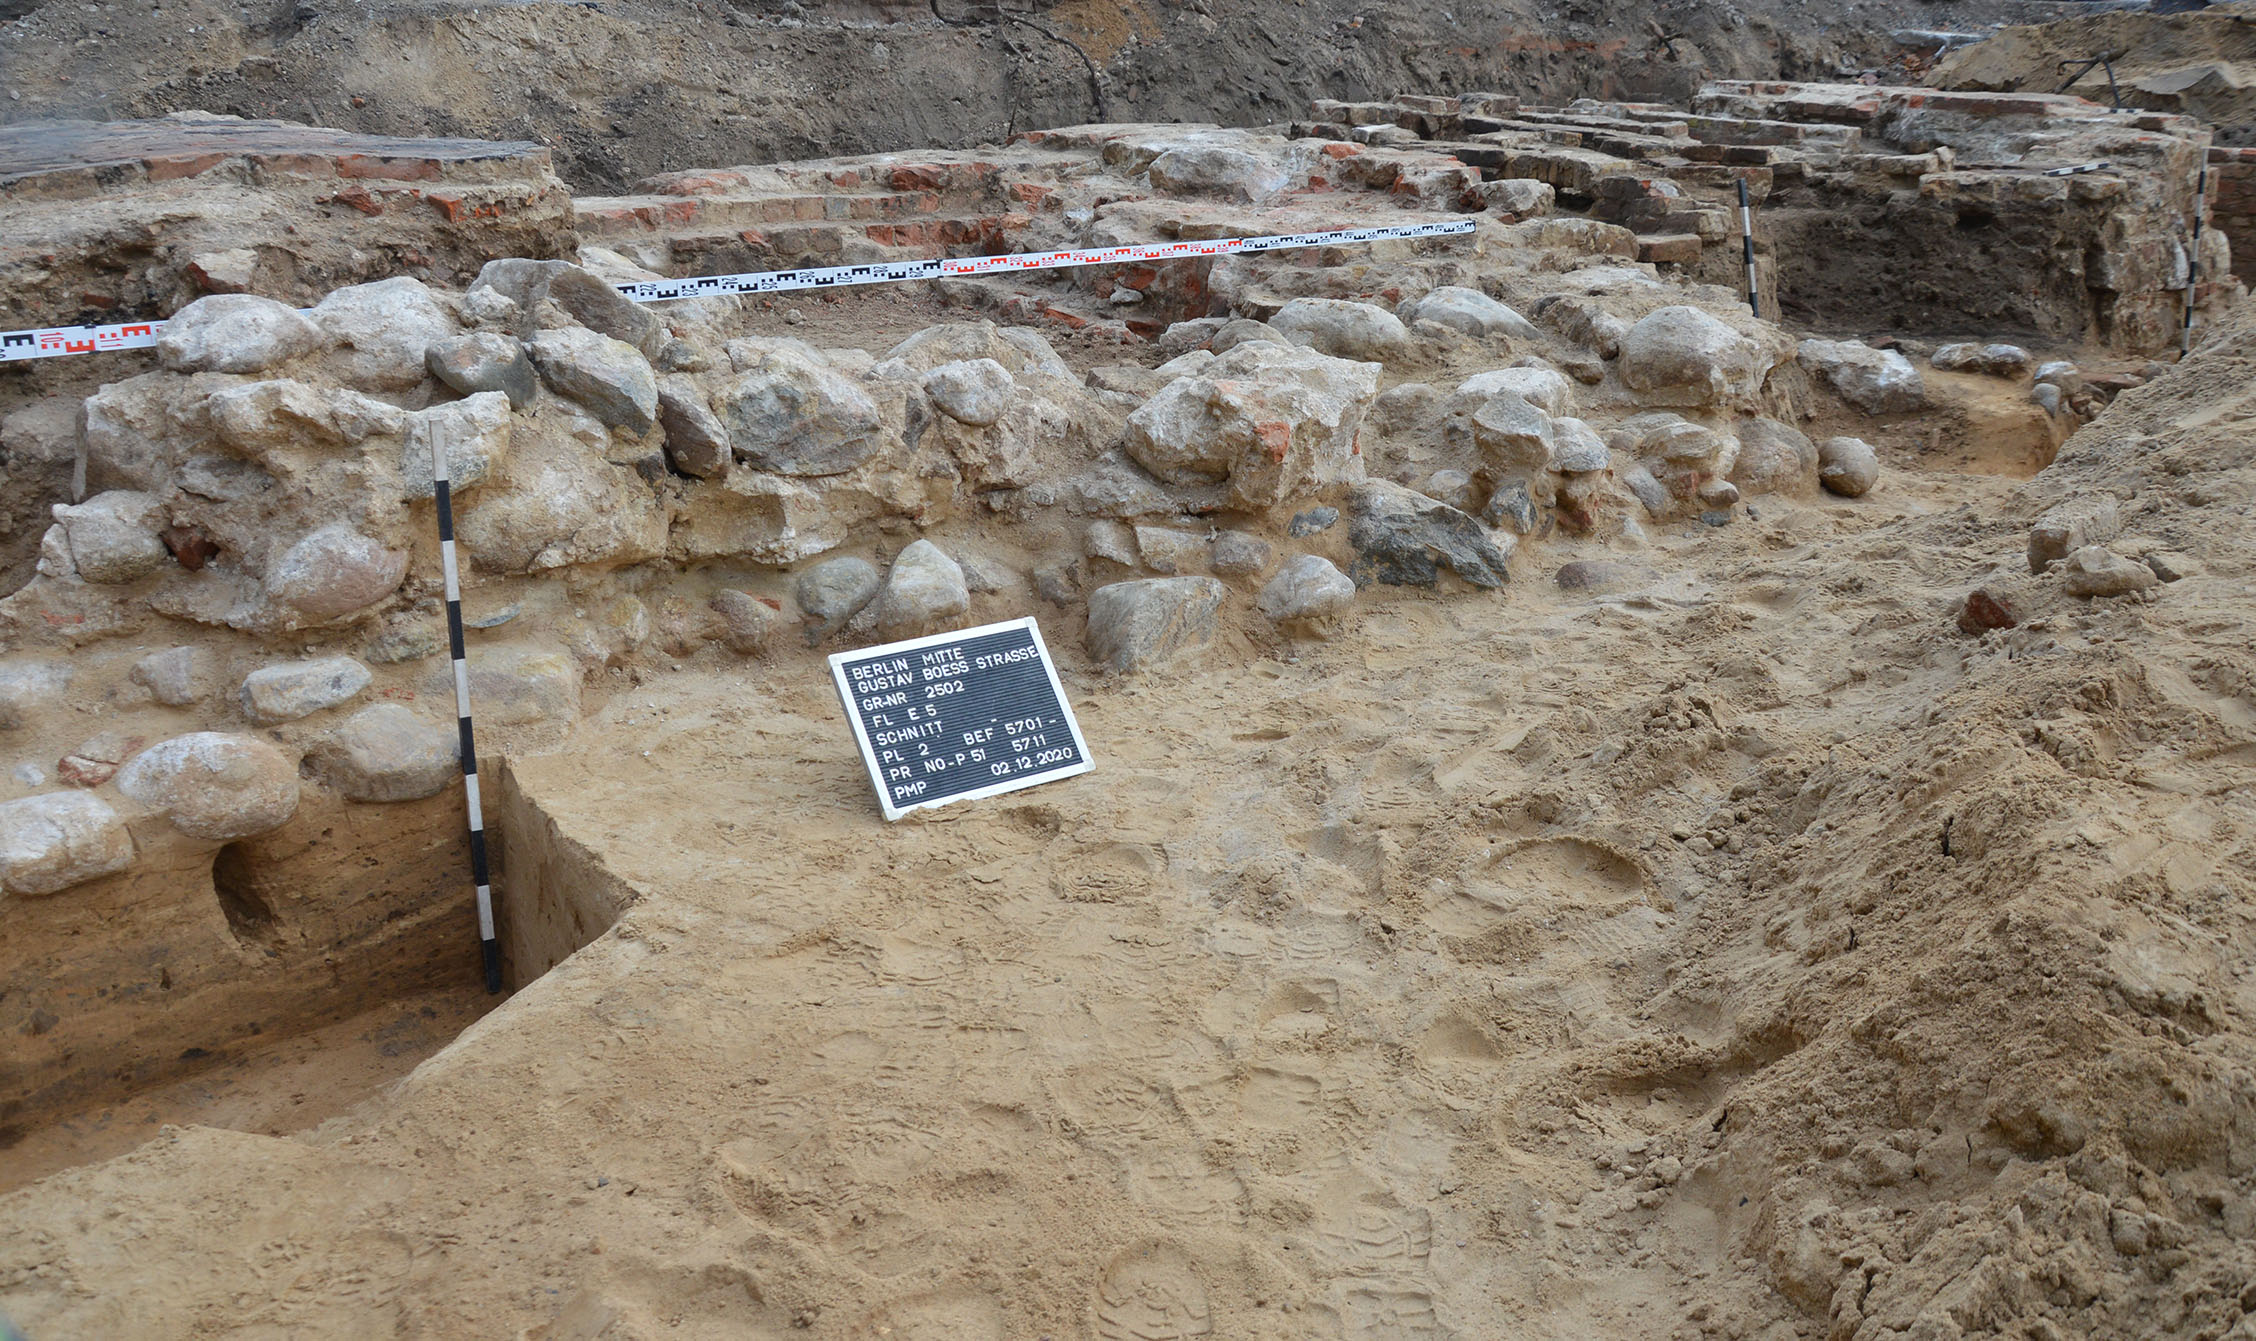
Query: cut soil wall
{"type": "Point", "coordinates": [552, 895]}
{"type": "Point", "coordinates": [623, 90]}
{"type": "Point", "coordinates": [198, 954]}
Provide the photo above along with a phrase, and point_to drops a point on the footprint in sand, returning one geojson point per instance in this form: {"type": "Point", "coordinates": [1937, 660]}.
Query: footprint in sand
{"type": "Point", "coordinates": [1535, 878]}
{"type": "Point", "coordinates": [1381, 1314]}
{"type": "Point", "coordinates": [1152, 1294]}
{"type": "Point", "coordinates": [1109, 873]}
{"type": "Point", "coordinates": [1272, 1098]}
{"type": "Point", "coordinates": [1259, 1097]}
{"type": "Point", "coordinates": [941, 1315]}
{"type": "Point", "coordinates": [886, 1143]}
{"type": "Point", "coordinates": [1179, 1185]}
{"type": "Point", "coordinates": [1457, 1039]}
{"type": "Point", "coordinates": [1115, 1105]}
{"type": "Point", "coordinates": [883, 1243]}
{"type": "Point", "coordinates": [1367, 1238]}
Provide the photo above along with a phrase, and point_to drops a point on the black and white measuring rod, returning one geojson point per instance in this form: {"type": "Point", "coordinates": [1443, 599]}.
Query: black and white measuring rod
{"type": "Point", "coordinates": [489, 947]}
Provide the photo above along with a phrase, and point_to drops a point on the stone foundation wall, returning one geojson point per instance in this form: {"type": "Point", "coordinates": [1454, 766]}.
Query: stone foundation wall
{"type": "Point", "coordinates": [2232, 205]}
{"type": "Point", "coordinates": [100, 222]}
{"type": "Point", "coordinates": [2076, 259]}
{"type": "Point", "coordinates": [1879, 207]}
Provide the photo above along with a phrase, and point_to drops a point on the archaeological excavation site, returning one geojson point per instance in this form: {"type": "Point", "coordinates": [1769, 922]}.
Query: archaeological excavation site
{"type": "Point", "coordinates": [1632, 715]}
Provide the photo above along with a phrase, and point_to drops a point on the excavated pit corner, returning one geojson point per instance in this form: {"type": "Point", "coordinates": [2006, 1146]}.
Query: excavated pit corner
{"type": "Point", "coordinates": [552, 895]}
{"type": "Point", "coordinates": [328, 958]}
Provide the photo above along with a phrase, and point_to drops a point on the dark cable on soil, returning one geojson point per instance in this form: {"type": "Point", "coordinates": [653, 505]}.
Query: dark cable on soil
{"type": "Point", "coordinates": [999, 15]}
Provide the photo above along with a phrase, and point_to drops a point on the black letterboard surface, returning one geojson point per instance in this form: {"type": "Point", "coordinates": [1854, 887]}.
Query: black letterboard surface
{"type": "Point", "coordinates": [958, 716]}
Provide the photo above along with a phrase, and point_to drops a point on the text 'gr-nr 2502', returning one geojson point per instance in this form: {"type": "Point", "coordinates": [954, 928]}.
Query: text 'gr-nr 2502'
{"type": "Point", "coordinates": [957, 716]}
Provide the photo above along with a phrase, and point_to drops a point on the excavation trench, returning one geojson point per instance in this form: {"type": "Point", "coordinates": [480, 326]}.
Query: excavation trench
{"type": "Point", "coordinates": [1730, 898]}
{"type": "Point", "coordinates": [273, 983]}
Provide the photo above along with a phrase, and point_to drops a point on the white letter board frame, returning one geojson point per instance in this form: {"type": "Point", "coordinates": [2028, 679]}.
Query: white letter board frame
{"type": "Point", "coordinates": [840, 660]}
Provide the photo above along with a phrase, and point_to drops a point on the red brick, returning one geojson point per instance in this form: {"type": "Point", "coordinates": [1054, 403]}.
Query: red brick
{"type": "Point", "coordinates": [171, 169]}
{"type": "Point", "coordinates": [1986, 104]}
{"type": "Point", "coordinates": [804, 240]}
{"type": "Point", "coordinates": [1275, 437]}
{"type": "Point", "coordinates": [972, 232]}
{"type": "Point", "coordinates": [456, 208]}
{"type": "Point", "coordinates": [388, 169]}
{"type": "Point", "coordinates": [1984, 611]}
{"type": "Point", "coordinates": [2232, 197]}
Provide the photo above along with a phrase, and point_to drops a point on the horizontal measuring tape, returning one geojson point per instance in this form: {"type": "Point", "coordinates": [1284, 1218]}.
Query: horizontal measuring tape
{"type": "Point", "coordinates": [58, 341]}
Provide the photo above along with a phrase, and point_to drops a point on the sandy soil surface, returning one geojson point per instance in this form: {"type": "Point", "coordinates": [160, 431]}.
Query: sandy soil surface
{"type": "Point", "coordinates": [1733, 949]}
{"type": "Point", "coordinates": [289, 1086]}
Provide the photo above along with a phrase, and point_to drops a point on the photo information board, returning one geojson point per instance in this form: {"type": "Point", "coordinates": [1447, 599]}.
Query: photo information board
{"type": "Point", "coordinates": [957, 716]}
